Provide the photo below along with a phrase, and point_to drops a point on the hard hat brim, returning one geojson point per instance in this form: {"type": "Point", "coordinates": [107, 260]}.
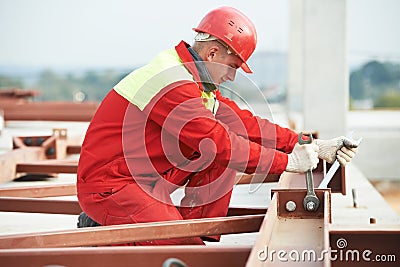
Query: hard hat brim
{"type": "Point", "coordinates": [246, 68]}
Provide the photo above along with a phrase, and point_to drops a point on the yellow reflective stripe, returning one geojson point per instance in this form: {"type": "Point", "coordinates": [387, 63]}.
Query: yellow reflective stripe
{"type": "Point", "coordinates": [141, 85]}
{"type": "Point", "coordinates": [210, 101]}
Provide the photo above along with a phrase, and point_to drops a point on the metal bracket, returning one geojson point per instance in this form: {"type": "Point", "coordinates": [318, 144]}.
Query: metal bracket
{"type": "Point", "coordinates": [290, 203]}
{"type": "Point", "coordinates": [338, 182]}
{"type": "Point", "coordinates": [50, 143]}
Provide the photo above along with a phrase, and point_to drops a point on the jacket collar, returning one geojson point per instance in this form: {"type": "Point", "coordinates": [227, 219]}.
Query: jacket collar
{"type": "Point", "coordinates": [195, 66]}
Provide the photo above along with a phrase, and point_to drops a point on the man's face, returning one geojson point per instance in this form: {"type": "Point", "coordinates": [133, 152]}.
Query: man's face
{"type": "Point", "coordinates": [221, 65]}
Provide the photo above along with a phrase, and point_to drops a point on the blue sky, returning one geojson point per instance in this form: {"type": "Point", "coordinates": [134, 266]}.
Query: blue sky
{"type": "Point", "coordinates": [123, 33]}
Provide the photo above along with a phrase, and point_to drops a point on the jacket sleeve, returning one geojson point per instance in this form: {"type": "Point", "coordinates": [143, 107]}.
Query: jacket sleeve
{"type": "Point", "coordinates": [254, 128]}
{"type": "Point", "coordinates": [179, 110]}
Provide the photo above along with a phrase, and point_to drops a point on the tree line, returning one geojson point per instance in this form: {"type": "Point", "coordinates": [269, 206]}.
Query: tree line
{"type": "Point", "coordinates": [93, 85]}
{"type": "Point", "coordinates": [378, 82]}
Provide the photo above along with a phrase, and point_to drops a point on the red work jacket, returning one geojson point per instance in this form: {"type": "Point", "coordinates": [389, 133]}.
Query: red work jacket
{"type": "Point", "coordinates": [175, 130]}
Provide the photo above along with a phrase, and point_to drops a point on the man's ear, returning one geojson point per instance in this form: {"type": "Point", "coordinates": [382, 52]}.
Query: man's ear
{"type": "Point", "coordinates": [211, 52]}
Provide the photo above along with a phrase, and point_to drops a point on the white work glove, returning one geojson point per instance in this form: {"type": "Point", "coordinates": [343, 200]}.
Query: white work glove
{"type": "Point", "coordinates": [303, 158]}
{"type": "Point", "coordinates": [341, 148]}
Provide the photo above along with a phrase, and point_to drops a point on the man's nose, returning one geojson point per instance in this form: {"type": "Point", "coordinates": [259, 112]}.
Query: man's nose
{"type": "Point", "coordinates": [231, 74]}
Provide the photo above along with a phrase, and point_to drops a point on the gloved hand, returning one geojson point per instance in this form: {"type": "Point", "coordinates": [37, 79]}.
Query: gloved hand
{"type": "Point", "coordinates": [341, 148]}
{"type": "Point", "coordinates": [303, 158]}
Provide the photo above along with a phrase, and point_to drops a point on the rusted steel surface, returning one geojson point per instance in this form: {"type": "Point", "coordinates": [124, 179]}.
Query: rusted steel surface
{"type": "Point", "coordinates": [39, 205]}
{"type": "Point", "coordinates": [297, 196]}
{"type": "Point", "coordinates": [232, 211]}
{"type": "Point", "coordinates": [119, 234]}
{"type": "Point", "coordinates": [8, 161]}
{"type": "Point", "coordinates": [49, 166]}
{"type": "Point", "coordinates": [74, 149]}
{"type": "Point", "coordinates": [48, 111]}
{"type": "Point", "coordinates": [316, 239]}
{"type": "Point", "coordinates": [338, 182]}
{"type": "Point", "coordinates": [39, 191]}
{"type": "Point", "coordinates": [293, 231]}
{"type": "Point", "coordinates": [26, 200]}
{"type": "Point", "coordinates": [193, 256]}
{"type": "Point", "coordinates": [25, 194]}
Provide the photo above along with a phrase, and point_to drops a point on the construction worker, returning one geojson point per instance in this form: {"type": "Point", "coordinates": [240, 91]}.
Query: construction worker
{"type": "Point", "coordinates": [166, 125]}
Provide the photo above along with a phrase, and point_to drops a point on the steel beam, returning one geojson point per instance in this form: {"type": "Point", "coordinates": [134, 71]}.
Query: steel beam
{"type": "Point", "coordinates": [285, 237]}
{"type": "Point", "coordinates": [292, 236]}
{"type": "Point", "coordinates": [39, 191]}
{"type": "Point", "coordinates": [120, 234]}
{"type": "Point", "coordinates": [193, 256]}
{"type": "Point", "coordinates": [11, 201]}
{"type": "Point", "coordinates": [47, 111]}
{"type": "Point", "coordinates": [73, 149]}
{"type": "Point", "coordinates": [48, 166]}
{"type": "Point", "coordinates": [39, 205]}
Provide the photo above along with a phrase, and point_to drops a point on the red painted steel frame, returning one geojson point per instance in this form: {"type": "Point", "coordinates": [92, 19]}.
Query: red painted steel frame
{"type": "Point", "coordinates": [193, 256]}
{"type": "Point", "coordinates": [48, 111]}
{"type": "Point", "coordinates": [120, 234]}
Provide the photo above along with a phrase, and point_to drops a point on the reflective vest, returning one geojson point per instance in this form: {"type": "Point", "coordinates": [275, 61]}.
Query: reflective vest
{"type": "Point", "coordinates": [141, 85]}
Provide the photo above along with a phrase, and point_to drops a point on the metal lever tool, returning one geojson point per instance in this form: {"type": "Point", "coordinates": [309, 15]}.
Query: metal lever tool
{"type": "Point", "coordinates": [335, 166]}
{"type": "Point", "coordinates": [310, 201]}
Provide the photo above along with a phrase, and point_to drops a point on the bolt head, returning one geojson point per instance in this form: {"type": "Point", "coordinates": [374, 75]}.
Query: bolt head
{"type": "Point", "coordinates": [310, 206]}
{"type": "Point", "coordinates": [290, 206]}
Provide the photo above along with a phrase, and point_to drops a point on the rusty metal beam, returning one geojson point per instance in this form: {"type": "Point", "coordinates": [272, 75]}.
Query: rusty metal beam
{"type": "Point", "coordinates": [193, 256]}
{"type": "Point", "coordinates": [47, 111]}
{"type": "Point", "coordinates": [232, 211]}
{"type": "Point", "coordinates": [338, 182]}
{"type": "Point", "coordinates": [73, 149]}
{"type": "Point", "coordinates": [120, 234]}
{"type": "Point", "coordinates": [39, 205]}
{"type": "Point", "coordinates": [292, 230]}
{"type": "Point", "coordinates": [39, 191]}
{"type": "Point", "coordinates": [29, 200]}
{"type": "Point", "coordinates": [302, 238]}
{"type": "Point", "coordinates": [48, 166]}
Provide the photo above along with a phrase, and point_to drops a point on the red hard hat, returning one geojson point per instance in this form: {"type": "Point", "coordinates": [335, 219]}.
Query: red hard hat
{"type": "Point", "coordinates": [234, 28]}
